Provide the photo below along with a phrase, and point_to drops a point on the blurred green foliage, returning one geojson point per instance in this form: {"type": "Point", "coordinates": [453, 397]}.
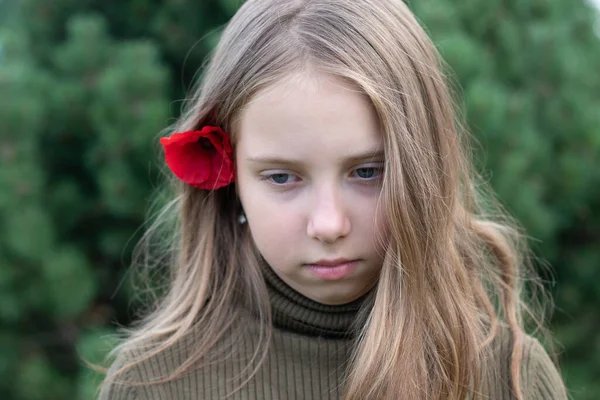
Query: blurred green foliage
{"type": "Point", "coordinates": [87, 85]}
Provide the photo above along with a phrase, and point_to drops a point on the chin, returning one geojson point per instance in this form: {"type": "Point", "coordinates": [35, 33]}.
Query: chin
{"type": "Point", "coordinates": [338, 299]}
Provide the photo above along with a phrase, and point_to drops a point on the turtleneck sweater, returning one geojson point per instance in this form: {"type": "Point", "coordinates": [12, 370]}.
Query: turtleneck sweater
{"type": "Point", "coordinates": [308, 355]}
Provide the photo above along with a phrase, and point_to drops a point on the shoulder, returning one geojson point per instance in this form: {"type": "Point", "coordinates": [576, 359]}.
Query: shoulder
{"type": "Point", "coordinates": [117, 384]}
{"type": "Point", "coordinates": [131, 374]}
{"type": "Point", "coordinates": [159, 370]}
{"type": "Point", "coordinates": [539, 376]}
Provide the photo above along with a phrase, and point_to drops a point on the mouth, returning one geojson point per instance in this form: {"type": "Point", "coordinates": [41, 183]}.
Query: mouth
{"type": "Point", "coordinates": [333, 269]}
{"type": "Point", "coordinates": [332, 262]}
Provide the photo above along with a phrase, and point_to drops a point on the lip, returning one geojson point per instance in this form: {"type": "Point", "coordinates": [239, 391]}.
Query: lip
{"type": "Point", "coordinates": [333, 269]}
{"type": "Point", "coordinates": [332, 263]}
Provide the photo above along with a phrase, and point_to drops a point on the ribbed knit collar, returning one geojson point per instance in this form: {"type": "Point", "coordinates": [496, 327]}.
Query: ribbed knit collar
{"type": "Point", "coordinates": [294, 312]}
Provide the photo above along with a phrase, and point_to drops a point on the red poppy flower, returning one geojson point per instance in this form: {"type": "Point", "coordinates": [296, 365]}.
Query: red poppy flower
{"type": "Point", "coordinates": [202, 159]}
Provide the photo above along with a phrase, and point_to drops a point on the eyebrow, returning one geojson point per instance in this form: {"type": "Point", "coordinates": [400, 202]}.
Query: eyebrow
{"type": "Point", "coordinates": [275, 160]}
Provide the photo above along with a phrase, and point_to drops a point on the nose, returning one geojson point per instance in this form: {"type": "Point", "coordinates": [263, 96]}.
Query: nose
{"type": "Point", "coordinates": [329, 220]}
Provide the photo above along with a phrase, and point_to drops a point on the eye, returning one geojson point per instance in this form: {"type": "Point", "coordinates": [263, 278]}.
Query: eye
{"type": "Point", "coordinates": [280, 178]}
{"type": "Point", "coordinates": [368, 172]}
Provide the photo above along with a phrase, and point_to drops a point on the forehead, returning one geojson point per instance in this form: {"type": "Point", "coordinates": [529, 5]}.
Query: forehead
{"type": "Point", "coordinates": [306, 115]}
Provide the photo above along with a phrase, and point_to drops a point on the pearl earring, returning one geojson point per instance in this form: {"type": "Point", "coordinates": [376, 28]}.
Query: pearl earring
{"type": "Point", "coordinates": [242, 218]}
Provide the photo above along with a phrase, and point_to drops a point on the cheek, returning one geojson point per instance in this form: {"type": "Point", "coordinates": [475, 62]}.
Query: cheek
{"type": "Point", "coordinates": [381, 231]}
{"type": "Point", "coordinates": [277, 238]}
{"type": "Point", "coordinates": [369, 219]}
{"type": "Point", "coordinates": [274, 227]}
{"type": "Point", "coordinates": [269, 226]}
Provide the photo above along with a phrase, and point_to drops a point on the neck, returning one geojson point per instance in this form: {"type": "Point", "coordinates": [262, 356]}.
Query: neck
{"type": "Point", "coordinates": [295, 312]}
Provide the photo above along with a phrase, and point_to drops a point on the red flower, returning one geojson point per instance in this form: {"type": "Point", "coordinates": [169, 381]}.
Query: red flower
{"type": "Point", "coordinates": [202, 159]}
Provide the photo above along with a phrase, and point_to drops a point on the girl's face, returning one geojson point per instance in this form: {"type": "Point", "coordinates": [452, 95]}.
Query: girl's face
{"type": "Point", "coordinates": [309, 167]}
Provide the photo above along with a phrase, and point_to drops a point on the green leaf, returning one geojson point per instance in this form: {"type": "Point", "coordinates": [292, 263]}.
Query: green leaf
{"type": "Point", "coordinates": [69, 281]}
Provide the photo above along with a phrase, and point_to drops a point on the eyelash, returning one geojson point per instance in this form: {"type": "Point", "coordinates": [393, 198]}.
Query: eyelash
{"type": "Point", "coordinates": [364, 180]}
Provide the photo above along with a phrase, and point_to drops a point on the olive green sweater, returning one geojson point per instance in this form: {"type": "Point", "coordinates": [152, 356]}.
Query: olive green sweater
{"type": "Point", "coordinates": [309, 350]}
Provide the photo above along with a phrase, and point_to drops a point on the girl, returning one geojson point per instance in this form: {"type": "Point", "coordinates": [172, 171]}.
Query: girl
{"type": "Point", "coordinates": [332, 241]}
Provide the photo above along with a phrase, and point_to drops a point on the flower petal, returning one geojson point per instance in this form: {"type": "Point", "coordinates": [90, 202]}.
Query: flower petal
{"type": "Point", "coordinates": [196, 164]}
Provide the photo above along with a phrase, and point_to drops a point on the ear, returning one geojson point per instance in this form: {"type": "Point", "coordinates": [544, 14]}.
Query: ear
{"type": "Point", "coordinates": [238, 206]}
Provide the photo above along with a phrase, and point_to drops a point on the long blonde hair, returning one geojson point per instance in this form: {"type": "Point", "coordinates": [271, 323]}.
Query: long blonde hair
{"type": "Point", "coordinates": [453, 267]}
